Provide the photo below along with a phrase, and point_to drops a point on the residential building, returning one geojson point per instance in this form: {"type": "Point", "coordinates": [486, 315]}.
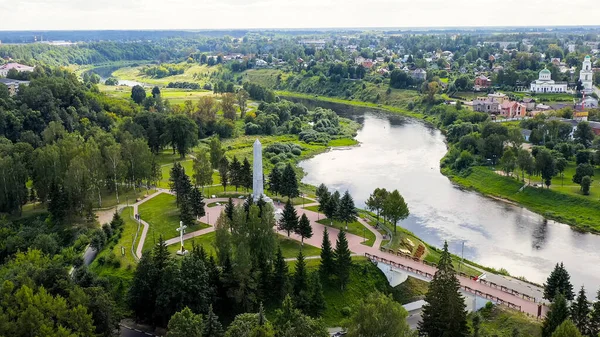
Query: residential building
{"type": "Point", "coordinates": [261, 63]}
{"type": "Point", "coordinates": [482, 82]}
{"type": "Point", "coordinates": [487, 105]}
{"type": "Point", "coordinates": [545, 84]}
{"type": "Point", "coordinates": [512, 109]}
{"type": "Point", "coordinates": [529, 103]}
{"type": "Point", "coordinates": [13, 85]}
{"type": "Point", "coordinates": [587, 102]}
{"type": "Point", "coordinates": [419, 74]}
{"type": "Point", "coordinates": [4, 69]}
{"type": "Point", "coordinates": [586, 75]}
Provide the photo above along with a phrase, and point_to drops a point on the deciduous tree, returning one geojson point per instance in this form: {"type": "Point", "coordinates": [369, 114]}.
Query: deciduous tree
{"type": "Point", "coordinates": [378, 315]}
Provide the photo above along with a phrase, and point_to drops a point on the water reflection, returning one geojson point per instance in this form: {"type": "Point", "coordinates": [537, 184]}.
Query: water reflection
{"type": "Point", "coordinates": [404, 154]}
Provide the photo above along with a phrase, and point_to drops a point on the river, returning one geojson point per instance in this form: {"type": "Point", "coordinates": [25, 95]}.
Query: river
{"type": "Point", "coordinates": [401, 153]}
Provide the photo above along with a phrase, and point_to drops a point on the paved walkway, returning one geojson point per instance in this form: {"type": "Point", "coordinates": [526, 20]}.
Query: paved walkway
{"type": "Point", "coordinates": [354, 244]}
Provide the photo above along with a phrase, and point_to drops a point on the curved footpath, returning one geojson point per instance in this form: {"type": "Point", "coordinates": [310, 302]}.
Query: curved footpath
{"type": "Point", "coordinates": [501, 292]}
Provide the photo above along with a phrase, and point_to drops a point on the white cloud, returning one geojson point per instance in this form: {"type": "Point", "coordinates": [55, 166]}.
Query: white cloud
{"type": "Point", "coordinates": [215, 14]}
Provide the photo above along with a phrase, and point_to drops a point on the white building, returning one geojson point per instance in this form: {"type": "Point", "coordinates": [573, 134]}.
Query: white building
{"type": "Point", "coordinates": [586, 75]}
{"type": "Point", "coordinates": [545, 84]}
{"type": "Point", "coordinates": [4, 69]}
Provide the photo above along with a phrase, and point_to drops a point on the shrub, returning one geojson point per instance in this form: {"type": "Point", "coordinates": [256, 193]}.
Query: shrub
{"type": "Point", "coordinates": [346, 311]}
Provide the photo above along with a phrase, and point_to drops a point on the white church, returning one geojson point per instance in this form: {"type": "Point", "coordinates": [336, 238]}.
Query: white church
{"type": "Point", "coordinates": [586, 75]}
{"type": "Point", "coordinates": [545, 84]}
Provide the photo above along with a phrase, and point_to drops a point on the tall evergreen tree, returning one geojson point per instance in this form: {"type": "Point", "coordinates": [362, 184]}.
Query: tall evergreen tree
{"type": "Point", "coordinates": [246, 174]}
{"type": "Point", "coordinates": [444, 314]}
{"type": "Point", "coordinates": [595, 317]}
{"type": "Point", "coordinates": [229, 209]}
{"type": "Point", "coordinates": [235, 173]}
{"type": "Point", "coordinates": [321, 191]}
{"type": "Point", "coordinates": [558, 313]}
{"type": "Point", "coordinates": [197, 203]}
{"type": "Point", "coordinates": [347, 211]}
{"type": "Point", "coordinates": [304, 229]}
{"type": "Point", "coordinates": [327, 266]}
{"type": "Point", "coordinates": [289, 219]}
{"type": "Point", "coordinates": [580, 312]}
{"type": "Point", "coordinates": [224, 172]}
{"type": "Point", "coordinates": [300, 284]}
{"type": "Point", "coordinates": [558, 281]}
{"type": "Point", "coordinates": [317, 299]}
{"type": "Point", "coordinates": [280, 276]}
{"type": "Point", "coordinates": [343, 259]}
{"type": "Point", "coordinates": [323, 201]}
{"type": "Point", "coordinates": [275, 181]}
{"type": "Point", "coordinates": [211, 325]}
{"type": "Point", "coordinates": [186, 213]}
{"type": "Point", "coordinates": [332, 205]}
{"type": "Point", "coordinates": [289, 182]}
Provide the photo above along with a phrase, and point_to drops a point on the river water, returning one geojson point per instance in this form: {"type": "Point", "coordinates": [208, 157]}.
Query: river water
{"type": "Point", "coordinates": [396, 152]}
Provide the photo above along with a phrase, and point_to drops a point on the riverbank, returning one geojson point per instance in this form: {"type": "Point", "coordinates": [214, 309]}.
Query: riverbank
{"type": "Point", "coordinates": [580, 213]}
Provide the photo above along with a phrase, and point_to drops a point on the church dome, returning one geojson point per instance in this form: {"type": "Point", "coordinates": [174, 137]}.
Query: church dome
{"type": "Point", "coordinates": [587, 57]}
{"type": "Point", "coordinates": [545, 71]}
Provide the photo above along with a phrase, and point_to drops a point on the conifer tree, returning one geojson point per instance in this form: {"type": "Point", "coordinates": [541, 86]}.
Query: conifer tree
{"type": "Point", "coordinates": [580, 311]}
{"type": "Point", "coordinates": [246, 174]}
{"type": "Point", "coordinates": [594, 328]}
{"type": "Point", "coordinates": [235, 172]}
{"type": "Point", "coordinates": [304, 229]}
{"type": "Point", "coordinates": [317, 299]}
{"type": "Point", "coordinates": [229, 209]}
{"type": "Point", "coordinates": [321, 191]}
{"type": "Point", "coordinates": [224, 172]}
{"type": "Point", "coordinates": [343, 259]}
{"type": "Point", "coordinates": [289, 219]}
{"type": "Point", "coordinates": [289, 183]}
{"type": "Point", "coordinates": [558, 313]}
{"type": "Point", "coordinates": [558, 282]}
{"type": "Point", "coordinates": [327, 266]}
{"type": "Point", "coordinates": [197, 203]}
{"type": "Point", "coordinates": [212, 327]}
{"type": "Point", "coordinates": [275, 181]}
{"type": "Point", "coordinates": [280, 276]}
{"type": "Point", "coordinates": [347, 211]}
{"type": "Point", "coordinates": [567, 329]}
{"type": "Point", "coordinates": [300, 284]}
{"type": "Point", "coordinates": [186, 214]}
{"type": "Point", "coordinates": [323, 202]}
{"type": "Point", "coordinates": [332, 206]}
{"type": "Point", "coordinates": [444, 314]}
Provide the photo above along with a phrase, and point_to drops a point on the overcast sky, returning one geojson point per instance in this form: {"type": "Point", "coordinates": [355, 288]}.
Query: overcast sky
{"type": "Point", "coordinates": [216, 14]}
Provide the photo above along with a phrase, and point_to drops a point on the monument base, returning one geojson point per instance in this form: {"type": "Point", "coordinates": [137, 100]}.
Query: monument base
{"type": "Point", "coordinates": [184, 252]}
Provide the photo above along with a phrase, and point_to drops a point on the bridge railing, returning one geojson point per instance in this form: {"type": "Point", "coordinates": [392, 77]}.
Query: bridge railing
{"type": "Point", "coordinates": [430, 276]}
{"type": "Point", "coordinates": [483, 281]}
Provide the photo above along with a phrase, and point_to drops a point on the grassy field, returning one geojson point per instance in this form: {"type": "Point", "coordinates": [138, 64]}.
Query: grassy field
{"type": "Point", "coordinates": [577, 210]}
{"type": "Point", "coordinates": [126, 262]}
{"type": "Point", "coordinates": [355, 228]}
{"type": "Point", "coordinates": [175, 96]}
{"type": "Point", "coordinates": [501, 322]}
{"type": "Point", "coordinates": [194, 73]}
{"type": "Point", "coordinates": [162, 215]}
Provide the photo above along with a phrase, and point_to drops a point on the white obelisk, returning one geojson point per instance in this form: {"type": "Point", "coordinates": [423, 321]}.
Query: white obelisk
{"type": "Point", "coordinates": [257, 172]}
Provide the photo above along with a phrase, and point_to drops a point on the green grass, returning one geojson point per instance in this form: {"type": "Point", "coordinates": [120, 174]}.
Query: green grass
{"type": "Point", "coordinates": [343, 142]}
{"type": "Point", "coordinates": [579, 211]}
{"type": "Point", "coordinates": [502, 322]}
{"type": "Point", "coordinates": [206, 241]}
{"type": "Point", "coordinates": [109, 199]}
{"type": "Point", "coordinates": [355, 228]}
{"type": "Point", "coordinates": [127, 261]}
{"type": "Point", "coordinates": [411, 290]}
{"type": "Point", "coordinates": [290, 248]}
{"type": "Point", "coordinates": [313, 208]}
{"type": "Point", "coordinates": [365, 278]}
{"type": "Point", "coordinates": [133, 74]}
{"type": "Point", "coordinates": [162, 215]}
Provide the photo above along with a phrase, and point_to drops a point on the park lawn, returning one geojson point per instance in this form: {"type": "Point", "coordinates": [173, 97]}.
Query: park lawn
{"type": "Point", "coordinates": [134, 74]}
{"type": "Point", "coordinates": [188, 165]}
{"type": "Point", "coordinates": [501, 322]}
{"type": "Point", "coordinates": [206, 241]}
{"type": "Point", "coordinates": [162, 215]}
{"type": "Point", "coordinates": [343, 142]}
{"type": "Point", "coordinates": [365, 278]}
{"type": "Point", "coordinates": [354, 227]}
{"type": "Point", "coordinates": [411, 290]}
{"type": "Point", "coordinates": [264, 77]}
{"type": "Point", "coordinates": [290, 248]}
{"type": "Point", "coordinates": [127, 262]}
{"type": "Point", "coordinates": [313, 208]}
{"type": "Point", "coordinates": [579, 211]}
{"type": "Point", "coordinates": [126, 195]}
